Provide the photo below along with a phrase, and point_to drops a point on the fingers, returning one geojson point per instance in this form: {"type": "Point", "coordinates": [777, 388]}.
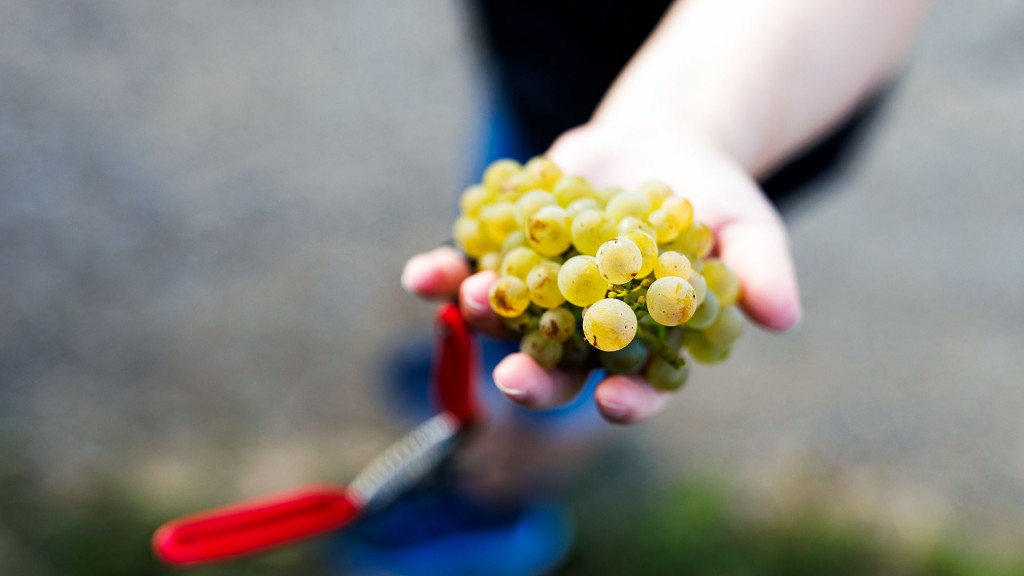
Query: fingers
{"type": "Point", "coordinates": [528, 384]}
{"type": "Point", "coordinates": [626, 399]}
{"type": "Point", "coordinates": [435, 274]}
{"type": "Point", "coordinates": [476, 306]}
{"type": "Point", "coordinates": [757, 249]}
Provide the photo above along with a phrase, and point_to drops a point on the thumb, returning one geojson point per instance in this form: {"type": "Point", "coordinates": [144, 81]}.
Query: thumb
{"type": "Point", "coordinates": [756, 247]}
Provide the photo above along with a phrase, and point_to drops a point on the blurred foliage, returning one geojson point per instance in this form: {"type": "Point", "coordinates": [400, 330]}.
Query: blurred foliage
{"type": "Point", "coordinates": [104, 531]}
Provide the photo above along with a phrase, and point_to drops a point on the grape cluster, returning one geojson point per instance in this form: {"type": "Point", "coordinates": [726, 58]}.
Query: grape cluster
{"type": "Point", "coordinates": [625, 272]}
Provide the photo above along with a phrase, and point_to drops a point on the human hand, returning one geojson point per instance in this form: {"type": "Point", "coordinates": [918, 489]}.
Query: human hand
{"type": "Point", "coordinates": [750, 239]}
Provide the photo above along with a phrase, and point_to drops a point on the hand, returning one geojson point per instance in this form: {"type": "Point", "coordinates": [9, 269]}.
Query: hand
{"type": "Point", "coordinates": [750, 239]}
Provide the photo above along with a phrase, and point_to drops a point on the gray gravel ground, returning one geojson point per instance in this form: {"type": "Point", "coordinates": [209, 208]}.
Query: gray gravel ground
{"type": "Point", "coordinates": [204, 209]}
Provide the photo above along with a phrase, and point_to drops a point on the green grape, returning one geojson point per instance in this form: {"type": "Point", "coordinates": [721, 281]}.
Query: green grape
{"type": "Point", "coordinates": [696, 241]}
{"type": "Point", "coordinates": [509, 296]}
{"type": "Point", "coordinates": [571, 188]}
{"type": "Point", "coordinates": [722, 281]}
{"type": "Point", "coordinates": [577, 352]}
{"type": "Point", "coordinates": [655, 191]}
{"type": "Point", "coordinates": [671, 301]}
{"type": "Point", "coordinates": [672, 264]}
{"type": "Point", "coordinates": [609, 325]}
{"type": "Point", "coordinates": [628, 360]}
{"type": "Point", "coordinates": [590, 230]}
{"type": "Point", "coordinates": [528, 204]}
{"type": "Point", "coordinates": [557, 324]}
{"type": "Point", "coordinates": [700, 286]}
{"type": "Point", "coordinates": [473, 199]}
{"type": "Point", "coordinates": [549, 231]}
{"type": "Point", "coordinates": [648, 250]}
{"type": "Point", "coordinates": [704, 351]}
{"type": "Point", "coordinates": [580, 281]}
{"type": "Point", "coordinates": [680, 209]}
{"type": "Point", "coordinates": [543, 284]}
{"type": "Point", "coordinates": [705, 314]}
{"type": "Point", "coordinates": [577, 207]}
{"type": "Point", "coordinates": [516, 186]}
{"type": "Point", "coordinates": [726, 329]}
{"type": "Point", "coordinates": [628, 204]}
{"type": "Point", "coordinates": [521, 324]}
{"type": "Point", "coordinates": [664, 376]}
{"type": "Point", "coordinates": [515, 239]}
{"type": "Point", "coordinates": [546, 352]}
{"type": "Point", "coordinates": [605, 194]}
{"type": "Point", "coordinates": [518, 262]}
{"type": "Point", "coordinates": [666, 227]}
{"type": "Point", "coordinates": [499, 219]}
{"type": "Point", "coordinates": [498, 173]}
{"type": "Point", "coordinates": [543, 172]}
{"type": "Point", "coordinates": [470, 236]}
{"type": "Point", "coordinates": [619, 260]}
{"type": "Point", "coordinates": [490, 261]}
{"type": "Point", "coordinates": [632, 224]}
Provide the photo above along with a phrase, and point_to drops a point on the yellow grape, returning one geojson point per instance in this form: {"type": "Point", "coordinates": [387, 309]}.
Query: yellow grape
{"type": "Point", "coordinates": [619, 260]}
{"type": "Point", "coordinates": [632, 223]}
{"type": "Point", "coordinates": [671, 301]}
{"type": "Point", "coordinates": [665, 224]}
{"type": "Point", "coordinates": [549, 231]}
{"type": "Point", "coordinates": [470, 236]}
{"type": "Point", "coordinates": [605, 194]}
{"type": "Point", "coordinates": [722, 281]}
{"type": "Point", "coordinates": [518, 262]}
{"type": "Point", "coordinates": [648, 250]}
{"type": "Point", "coordinates": [499, 219]}
{"type": "Point", "coordinates": [628, 204]}
{"type": "Point", "coordinates": [696, 241]}
{"type": "Point", "coordinates": [509, 296]}
{"type": "Point", "coordinates": [473, 199]}
{"type": "Point", "coordinates": [581, 282]}
{"type": "Point", "coordinates": [528, 204]}
{"type": "Point", "coordinates": [571, 188]}
{"type": "Point", "coordinates": [704, 351]}
{"type": "Point", "coordinates": [522, 323]}
{"type": "Point", "coordinates": [590, 229]}
{"type": "Point", "coordinates": [655, 191]}
{"type": "Point", "coordinates": [498, 173]}
{"type": "Point", "coordinates": [557, 324]}
{"type": "Point", "coordinates": [680, 209]}
{"type": "Point", "coordinates": [543, 284]}
{"type": "Point", "coordinates": [546, 352]}
{"type": "Point", "coordinates": [577, 207]}
{"type": "Point", "coordinates": [609, 325]}
{"type": "Point", "coordinates": [700, 285]}
{"type": "Point", "coordinates": [515, 239]}
{"type": "Point", "coordinates": [672, 264]}
{"type": "Point", "coordinates": [490, 261]}
{"type": "Point", "coordinates": [543, 172]}
{"type": "Point", "coordinates": [706, 313]}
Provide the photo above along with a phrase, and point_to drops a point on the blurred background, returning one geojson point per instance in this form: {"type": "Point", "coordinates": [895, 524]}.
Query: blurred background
{"type": "Point", "coordinates": [205, 208]}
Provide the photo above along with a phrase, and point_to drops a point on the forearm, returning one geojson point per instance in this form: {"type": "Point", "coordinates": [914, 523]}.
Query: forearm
{"type": "Point", "coordinates": [761, 78]}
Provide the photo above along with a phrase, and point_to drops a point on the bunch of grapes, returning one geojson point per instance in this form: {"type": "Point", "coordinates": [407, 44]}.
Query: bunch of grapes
{"type": "Point", "coordinates": [606, 276]}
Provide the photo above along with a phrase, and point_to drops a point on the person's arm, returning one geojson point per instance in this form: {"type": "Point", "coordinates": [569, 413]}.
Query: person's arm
{"type": "Point", "coordinates": [722, 92]}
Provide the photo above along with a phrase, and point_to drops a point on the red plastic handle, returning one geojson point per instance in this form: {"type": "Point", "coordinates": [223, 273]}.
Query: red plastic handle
{"type": "Point", "coordinates": [254, 525]}
{"type": "Point", "coordinates": [455, 367]}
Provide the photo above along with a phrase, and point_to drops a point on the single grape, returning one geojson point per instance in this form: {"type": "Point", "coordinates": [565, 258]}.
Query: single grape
{"type": "Point", "coordinates": [696, 241]}
{"type": "Point", "coordinates": [672, 264]}
{"type": "Point", "coordinates": [580, 281]}
{"type": "Point", "coordinates": [619, 260]}
{"type": "Point", "coordinates": [628, 204]}
{"type": "Point", "coordinates": [666, 227]}
{"type": "Point", "coordinates": [705, 314]}
{"type": "Point", "coordinates": [516, 186]}
{"type": "Point", "coordinates": [499, 219]}
{"type": "Point", "coordinates": [528, 204]}
{"type": "Point", "coordinates": [549, 231]}
{"type": "Point", "coordinates": [704, 351]}
{"type": "Point", "coordinates": [632, 224]}
{"type": "Point", "coordinates": [509, 296]}
{"type": "Point", "coordinates": [518, 262]}
{"type": "Point", "coordinates": [648, 251]}
{"type": "Point", "coordinates": [571, 188]}
{"type": "Point", "coordinates": [521, 324]}
{"type": "Point", "coordinates": [546, 352]}
{"type": "Point", "coordinates": [515, 239]}
{"type": "Point", "coordinates": [591, 229]}
{"type": "Point", "coordinates": [722, 281]}
{"type": "Point", "coordinates": [577, 352]}
{"type": "Point", "coordinates": [606, 193]}
{"type": "Point", "coordinates": [543, 172]}
{"type": "Point", "coordinates": [664, 376]}
{"type": "Point", "coordinates": [680, 209]}
{"type": "Point", "coordinates": [656, 192]}
{"type": "Point", "coordinates": [577, 207]}
{"type": "Point", "coordinates": [628, 360]}
{"type": "Point", "coordinates": [671, 301]}
{"type": "Point", "coordinates": [609, 325]}
{"type": "Point", "coordinates": [543, 284]}
{"type": "Point", "coordinates": [470, 236]}
{"type": "Point", "coordinates": [557, 324]}
{"type": "Point", "coordinates": [473, 199]}
{"type": "Point", "coordinates": [700, 286]}
{"type": "Point", "coordinates": [498, 173]}
{"type": "Point", "coordinates": [726, 329]}
{"type": "Point", "coordinates": [490, 261]}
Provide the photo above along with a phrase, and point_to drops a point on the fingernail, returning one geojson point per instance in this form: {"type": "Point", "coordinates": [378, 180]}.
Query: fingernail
{"type": "Point", "coordinates": [614, 410]}
{"type": "Point", "coordinates": [514, 393]}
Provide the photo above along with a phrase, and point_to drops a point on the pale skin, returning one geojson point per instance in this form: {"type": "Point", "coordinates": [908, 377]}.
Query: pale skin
{"type": "Point", "coordinates": [722, 92]}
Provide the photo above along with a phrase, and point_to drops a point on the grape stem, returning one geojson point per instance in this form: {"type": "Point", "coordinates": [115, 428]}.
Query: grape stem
{"type": "Point", "coordinates": [654, 338]}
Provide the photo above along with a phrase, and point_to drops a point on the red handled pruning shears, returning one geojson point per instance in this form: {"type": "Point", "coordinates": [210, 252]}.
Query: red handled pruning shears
{"type": "Point", "coordinates": [264, 523]}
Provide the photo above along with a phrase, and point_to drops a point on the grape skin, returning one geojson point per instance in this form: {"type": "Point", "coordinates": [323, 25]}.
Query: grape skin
{"type": "Point", "coordinates": [518, 262]}
{"type": "Point", "coordinates": [542, 282]}
{"type": "Point", "coordinates": [671, 301]}
{"type": "Point", "coordinates": [546, 352]}
{"type": "Point", "coordinates": [648, 251]}
{"type": "Point", "coordinates": [549, 231]}
{"type": "Point", "coordinates": [609, 325]}
{"type": "Point", "coordinates": [705, 314]}
{"type": "Point", "coordinates": [581, 282]}
{"type": "Point", "coordinates": [591, 229]}
{"type": "Point", "coordinates": [663, 376]}
{"type": "Point", "coordinates": [722, 281]}
{"type": "Point", "coordinates": [557, 324]}
{"type": "Point", "coordinates": [619, 260]}
{"type": "Point", "coordinates": [509, 296]}
{"type": "Point", "coordinates": [672, 264]}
